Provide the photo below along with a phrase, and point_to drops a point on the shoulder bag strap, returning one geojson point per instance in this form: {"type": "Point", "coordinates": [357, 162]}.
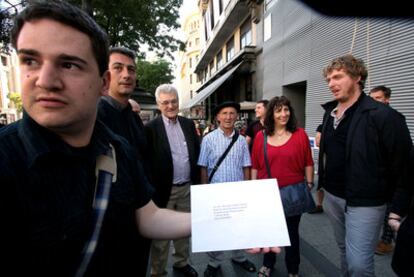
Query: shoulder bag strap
{"type": "Point", "coordinates": [105, 174]}
{"type": "Point", "coordinates": [235, 136]}
{"type": "Point", "coordinates": [265, 153]}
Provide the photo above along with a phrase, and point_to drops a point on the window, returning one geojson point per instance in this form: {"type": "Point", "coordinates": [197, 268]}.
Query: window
{"type": "Point", "coordinates": [211, 15]}
{"type": "Point", "coordinates": [190, 62]}
{"type": "Point", "coordinates": [220, 2]}
{"type": "Point", "coordinates": [230, 49]}
{"type": "Point", "coordinates": [207, 25]}
{"type": "Point", "coordinates": [4, 61]}
{"type": "Point", "coordinates": [269, 4]}
{"type": "Point", "coordinates": [197, 41]}
{"type": "Point", "coordinates": [267, 28]}
{"type": "Point", "coordinates": [191, 94]}
{"type": "Point", "coordinates": [246, 39]}
{"type": "Point", "coordinates": [191, 79]}
{"type": "Point", "coordinates": [245, 34]}
{"type": "Point", "coordinates": [219, 59]}
{"type": "Point", "coordinates": [212, 68]}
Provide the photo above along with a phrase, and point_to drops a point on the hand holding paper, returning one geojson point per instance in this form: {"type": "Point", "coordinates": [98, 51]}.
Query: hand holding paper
{"type": "Point", "coordinates": [237, 215]}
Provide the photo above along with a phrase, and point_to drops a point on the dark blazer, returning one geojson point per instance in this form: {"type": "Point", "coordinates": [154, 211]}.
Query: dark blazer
{"type": "Point", "coordinates": [161, 158]}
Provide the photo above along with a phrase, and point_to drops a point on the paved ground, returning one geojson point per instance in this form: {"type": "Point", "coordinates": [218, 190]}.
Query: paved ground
{"type": "Point", "coordinates": [319, 254]}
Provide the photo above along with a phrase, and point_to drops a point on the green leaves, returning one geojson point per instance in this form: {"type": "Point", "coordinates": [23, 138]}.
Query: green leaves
{"type": "Point", "coordinates": [152, 74]}
{"type": "Point", "coordinates": [129, 23]}
{"type": "Point", "coordinates": [133, 23]}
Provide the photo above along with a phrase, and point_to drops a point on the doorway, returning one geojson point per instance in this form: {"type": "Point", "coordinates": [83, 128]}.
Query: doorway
{"type": "Point", "coordinates": [296, 93]}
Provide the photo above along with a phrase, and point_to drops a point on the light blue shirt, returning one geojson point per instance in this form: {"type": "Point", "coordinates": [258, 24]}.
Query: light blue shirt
{"type": "Point", "coordinates": [179, 151]}
{"type": "Point", "coordinates": [231, 169]}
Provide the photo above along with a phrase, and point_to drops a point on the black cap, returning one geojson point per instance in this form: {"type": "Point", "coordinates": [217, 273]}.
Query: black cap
{"type": "Point", "coordinates": [226, 105]}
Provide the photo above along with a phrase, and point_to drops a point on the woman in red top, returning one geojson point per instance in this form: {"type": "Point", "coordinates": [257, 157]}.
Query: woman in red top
{"type": "Point", "coordinates": [290, 161]}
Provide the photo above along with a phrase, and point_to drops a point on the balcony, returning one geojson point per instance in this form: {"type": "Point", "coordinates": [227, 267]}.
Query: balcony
{"type": "Point", "coordinates": [234, 14]}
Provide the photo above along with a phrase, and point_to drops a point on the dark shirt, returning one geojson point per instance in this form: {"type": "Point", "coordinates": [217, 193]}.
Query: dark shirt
{"type": "Point", "coordinates": [335, 149]}
{"type": "Point", "coordinates": [46, 203]}
{"type": "Point", "coordinates": [123, 121]}
{"type": "Point", "coordinates": [252, 130]}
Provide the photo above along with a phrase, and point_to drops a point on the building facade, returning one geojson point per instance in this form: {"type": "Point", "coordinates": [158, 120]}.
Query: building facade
{"type": "Point", "coordinates": [228, 60]}
{"type": "Point", "coordinates": [299, 42]}
{"type": "Point", "coordinates": [9, 86]}
{"type": "Point", "coordinates": [188, 81]}
{"type": "Point", "coordinates": [258, 49]}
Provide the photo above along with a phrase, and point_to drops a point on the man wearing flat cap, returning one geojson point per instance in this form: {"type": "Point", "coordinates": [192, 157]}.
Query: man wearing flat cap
{"type": "Point", "coordinates": [226, 145]}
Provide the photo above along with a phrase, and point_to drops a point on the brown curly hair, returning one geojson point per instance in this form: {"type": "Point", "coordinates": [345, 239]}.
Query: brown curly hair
{"type": "Point", "coordinates": [274, 104]}
{"type": "Point", "coordinates": [352, 66]}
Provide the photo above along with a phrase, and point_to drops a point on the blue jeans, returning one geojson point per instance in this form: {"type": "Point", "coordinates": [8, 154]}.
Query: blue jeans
{"type": "Point", "coordinates": [356, 232]}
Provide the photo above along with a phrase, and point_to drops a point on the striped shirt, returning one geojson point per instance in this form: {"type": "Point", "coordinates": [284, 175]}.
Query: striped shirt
{"type": "Point", "coordinates": [179, 151]}
{"type": "Point", "coordinates": [231, 169]}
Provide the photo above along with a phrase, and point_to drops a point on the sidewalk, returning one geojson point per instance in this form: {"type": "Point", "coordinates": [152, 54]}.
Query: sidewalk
{"type": "Point", "coordinates": [319, 254]}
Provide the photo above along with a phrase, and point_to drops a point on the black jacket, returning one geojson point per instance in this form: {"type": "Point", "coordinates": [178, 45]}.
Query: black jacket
{"type": "Point", "coordinates": [404, 203]}
{"type": "Point", "coordinates": [161, 158]}
{"type": "Point", "coordinates": [377, 150]}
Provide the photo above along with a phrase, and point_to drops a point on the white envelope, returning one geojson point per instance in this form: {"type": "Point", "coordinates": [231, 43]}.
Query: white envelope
{"type": "Point", "coordinates": [237, 215]}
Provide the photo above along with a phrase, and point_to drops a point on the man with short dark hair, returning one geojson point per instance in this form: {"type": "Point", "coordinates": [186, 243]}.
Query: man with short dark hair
{"type": "Point", "coordinates": [73, 195]}
{"type": "Point", "coordinates": [115, 111]}
{"type": "Point", "coordinates": [381, 94]}
{"type": "Point", "coordinates": [256, 126]}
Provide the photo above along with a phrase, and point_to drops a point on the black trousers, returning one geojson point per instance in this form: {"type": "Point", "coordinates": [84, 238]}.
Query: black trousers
{"type": "Point", "coordinates": [292, 253]}
{"type": "Point", "coordinates": [402, 261]}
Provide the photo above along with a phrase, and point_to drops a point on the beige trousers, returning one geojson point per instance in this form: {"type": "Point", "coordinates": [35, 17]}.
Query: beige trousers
{"type": "Point", "coordinates": [179, 201]}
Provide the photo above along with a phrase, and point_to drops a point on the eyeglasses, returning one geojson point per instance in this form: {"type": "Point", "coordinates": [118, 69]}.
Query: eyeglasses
{"type": "Point", "coordinates": [166, 102]}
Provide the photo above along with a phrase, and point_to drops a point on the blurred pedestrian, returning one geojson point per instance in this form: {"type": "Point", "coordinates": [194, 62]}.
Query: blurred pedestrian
{"type": "Point", "coordinates": [383, 94]}
{"type": "Point", "coordinates": [136, 108]}
{"type": "Point", "coordinates": [319, 191]}
{"type": "Point", "coordinates": [401, 219]}
{"type": "Point", "coordinates": [258, 125]}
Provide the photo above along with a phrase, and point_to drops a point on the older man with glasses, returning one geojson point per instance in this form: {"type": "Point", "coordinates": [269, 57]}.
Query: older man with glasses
{"type": "Point", "coordinates": [174, 149]}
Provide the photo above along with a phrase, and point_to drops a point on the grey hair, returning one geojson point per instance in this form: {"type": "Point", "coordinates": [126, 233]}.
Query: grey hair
{"type": "Point", "coordinates": [165, 89]}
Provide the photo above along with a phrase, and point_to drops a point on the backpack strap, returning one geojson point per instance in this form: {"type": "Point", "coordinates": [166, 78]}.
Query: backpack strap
{"type": "Point", "coordinates": [235, 137]}
{"type": "Point", "coordinates": [105, 175]}
{"type": "Point", "coordinates": [265, 153]}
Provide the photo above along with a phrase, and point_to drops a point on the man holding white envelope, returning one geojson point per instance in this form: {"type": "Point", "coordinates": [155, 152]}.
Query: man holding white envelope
{"type": "Point", "coordinates": [225, 157]}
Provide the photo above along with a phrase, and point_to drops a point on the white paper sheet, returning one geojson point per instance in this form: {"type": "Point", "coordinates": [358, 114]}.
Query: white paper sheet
{"type": "Point", "coordinates": [237, 215]}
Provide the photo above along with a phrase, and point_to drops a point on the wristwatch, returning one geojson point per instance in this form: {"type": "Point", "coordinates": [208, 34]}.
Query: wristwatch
{"type": "Point", "coordinates": [310, 184]}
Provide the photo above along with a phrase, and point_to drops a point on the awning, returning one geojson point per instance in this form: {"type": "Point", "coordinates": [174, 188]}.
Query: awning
{"type": "Point", "coordinates": [207, 91]}
{"type": "Point", "coordinates": [247, 105]}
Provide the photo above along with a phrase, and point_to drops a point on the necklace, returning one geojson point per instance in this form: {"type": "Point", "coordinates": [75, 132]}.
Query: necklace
{"type": "Point", "coordinates": [281, 134]}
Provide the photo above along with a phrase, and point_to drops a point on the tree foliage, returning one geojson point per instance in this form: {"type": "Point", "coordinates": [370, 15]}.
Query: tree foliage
{"type": "Point", "coordinates": [16, 99]}
{"type": "Point", "coordinates": [129, 23]}
{"type": "Point", "coordinates": [7, 10]}
{"type": "Point", "coordinates": [152, 74]}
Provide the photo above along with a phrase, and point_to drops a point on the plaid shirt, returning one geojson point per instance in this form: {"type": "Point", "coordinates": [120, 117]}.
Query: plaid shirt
{"type": "Point", "coordinates": [231, 169]}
